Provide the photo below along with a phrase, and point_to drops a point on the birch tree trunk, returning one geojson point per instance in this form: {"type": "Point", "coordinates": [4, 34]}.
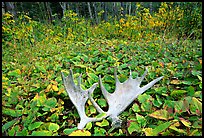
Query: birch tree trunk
{"type": "Point", "coordinates": [129, 10]}
{"type": "Point", "coordinates": [63, 6]}
{"type": "Point", "coordinates": [90, 13]}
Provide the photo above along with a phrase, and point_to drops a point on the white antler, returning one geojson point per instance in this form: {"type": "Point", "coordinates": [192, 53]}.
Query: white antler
{"type": "Point", "coordinates": [124, 95]}
{"type": "Point", "coordinates": [79, 97]}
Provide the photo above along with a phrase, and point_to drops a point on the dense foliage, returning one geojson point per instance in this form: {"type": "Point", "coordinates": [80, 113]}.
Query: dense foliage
{"type": "Point", "coordinates": [34, 101]}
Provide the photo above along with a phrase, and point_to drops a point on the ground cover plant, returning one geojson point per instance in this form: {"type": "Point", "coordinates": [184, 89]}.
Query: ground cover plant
{"type": "Point", "coordinates": [34, 101]}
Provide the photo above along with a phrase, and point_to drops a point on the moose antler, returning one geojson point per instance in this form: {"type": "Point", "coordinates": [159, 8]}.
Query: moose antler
{"type": "Point", "coordinates": [79, 97]}
{"type": "Point", "coordinates": [124, 95]}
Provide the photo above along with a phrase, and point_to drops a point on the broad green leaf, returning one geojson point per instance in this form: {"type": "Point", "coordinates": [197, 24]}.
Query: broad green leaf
{"type": "Point", "coordinates": [41, 133]}
{"type": "Point", "coordinates": [101, 115]}
{"type": "Point", "coordinates": [53, 127]}
{"type": "Point", "coordinates": [13, 130]}
{"type": "Point", "coordinates": [13, 113]}
{"type": "Point", "coordinates": [24, 132]}
{"type": "Point", "coordinates": [103, 123]}
{"type": "Point", "coordinates": [160, 128]}
{"type": "Point", "coordinates": [102, 102]}
{"type": "Point", "coordinates": [99, 68]}
{"type": "Point", "coordinates": [161, 114]}
{"type": "Point", "coordinates": [191, 90]}
{"type": "Point", "coordinates": [85, 58]}
{"type": "Point", "coordinates": [77, 58]}
{"type": "Point", "coordinates": [143, 98]}
{"type": "Point", "coordinates": [107, 87]}
{"type": "Point", "coordinates": [109, 79]}
{"type": "Point", "coordinates": [41, 68]}
{"type": "Point", "coordinates": [99, 131]}
{"type": "Point", "coordinates": [197, 123]}
{"type": "Point", "coordinates": [157, 102]}
{"type": "Point", "coordinates": [68, 131]}
{"type": "Point", "coordinates": [146, 106]}
{"type": "Point", "coordinates": [123, 65]}
{"type": "Point", "coordinates": [135, 108]}
{"type": "Point", "coordinates": [134, 127]}
{"type": "Point", "coordinates": [187, 82]}
{"type": "Point", "coordinates": [195, 73]}
{"type": "Point", "coordinates": [88, 126]}
{"type": "Point", "coordinates": [40, 99]}
{"type": "Point", "coordinates": [92, 109]}
{"type": "Point", "coordinates": [8, 125]}
{"type": "Point", "coordinates": [80, 133]}
{"type": "Point", "coordinates": [199, 77]}
{"type": "Point", "coordinates": [14, 73]}
{"type": "Point", "coordinates": [198, 94]}
{"type": "Point", "coordinates": [161, 90]}
{"type": "Point", "coordinates": [54, 117]}
{"type": "Point", "coordinates": [178, 92]}
{"type": "Point", "coordinates": [141, 120]}
{"type": "Point", "coordinates": [93, 76]}
{"type": "Point", "coordinates": [196, 106]}
{"type": "Point", "coordinates": [34, 125]}
{"type": "Point", "coordinates": [179, 106]}
{"type": "Point", "coordinates": [51, 102]}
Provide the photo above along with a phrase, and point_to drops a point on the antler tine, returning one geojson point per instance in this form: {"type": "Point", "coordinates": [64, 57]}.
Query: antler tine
{"type": "Point", "coordinates": [79, 80]}
{"type": "Point", "coordinates": [115, 75]}
{"type": "Point", "coordinates": [143, 76]}
{"type": "Point", "coordinates": [130, 74]}
{"type": "Point", "coordinates": [144, 88]}
{"type": "Point", "coordinates": [70, 77]}
{"type": "Point", "coordinates": [78, 96]}
{"type": "Point", "coordinates": [106, 94]}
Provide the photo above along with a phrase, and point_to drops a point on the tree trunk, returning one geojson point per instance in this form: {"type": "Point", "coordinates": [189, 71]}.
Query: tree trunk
{"type": "Point", "coordinates": [105, 12]}
{"type": "Point", "coordinates": [89, 8]}
{"type": "Point", "coordinates": [129, 10]}
{"type": "Point", "coordinates": [95, 12]}
{"type": "Point", "coordinates": [63, 6]}
{"type": "Point", "coordinates": [49, 11]}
